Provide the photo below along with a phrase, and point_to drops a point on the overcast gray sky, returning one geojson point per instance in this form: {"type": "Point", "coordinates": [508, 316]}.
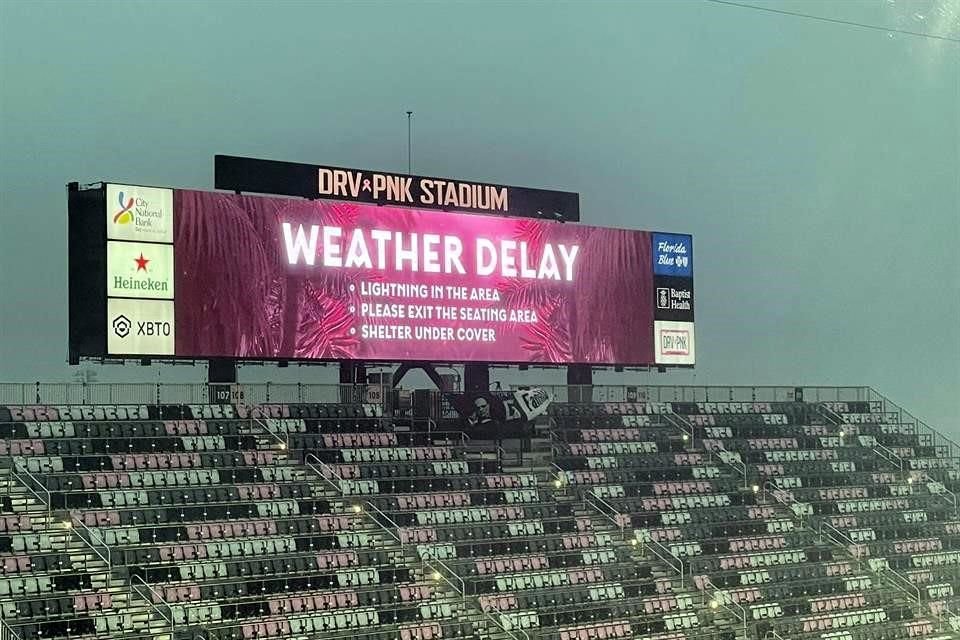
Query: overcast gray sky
{"type": "Point", "coordinates": [816, 164]}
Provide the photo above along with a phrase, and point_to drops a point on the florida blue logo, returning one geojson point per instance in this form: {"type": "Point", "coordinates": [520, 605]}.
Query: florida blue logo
{"type": "Point", "coordinates": [672, 254]}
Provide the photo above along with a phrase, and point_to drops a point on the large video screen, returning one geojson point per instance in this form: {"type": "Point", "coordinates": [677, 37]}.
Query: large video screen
{"type": "Point", "coordinates": [192, 274]}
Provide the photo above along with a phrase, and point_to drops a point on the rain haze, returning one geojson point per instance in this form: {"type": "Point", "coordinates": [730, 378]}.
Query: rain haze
{"type": "Point", "coordinates": [815, 163]}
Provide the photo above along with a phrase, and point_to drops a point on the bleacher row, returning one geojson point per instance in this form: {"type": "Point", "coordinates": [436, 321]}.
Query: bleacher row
{"type": "Point", "coordinates": [666, 521]}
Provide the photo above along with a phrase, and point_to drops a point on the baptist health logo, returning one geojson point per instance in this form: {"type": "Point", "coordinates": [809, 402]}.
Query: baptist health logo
{"type": "Point", "coordinates": [139, 213]}
{"type": "Point", "coordinates": [125, 215]}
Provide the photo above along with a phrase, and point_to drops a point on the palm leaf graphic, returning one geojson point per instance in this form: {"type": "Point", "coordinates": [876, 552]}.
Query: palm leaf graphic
{"type": "Point", "coordinates": [223, 278]}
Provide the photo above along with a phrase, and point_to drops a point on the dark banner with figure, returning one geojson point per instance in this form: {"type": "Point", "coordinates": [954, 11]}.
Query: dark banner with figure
{"type": "Point", "coordinates": [498, 416]}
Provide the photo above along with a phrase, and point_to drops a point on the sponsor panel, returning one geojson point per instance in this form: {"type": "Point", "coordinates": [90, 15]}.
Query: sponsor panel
{"type": "Point", "coordinates": [139, 213]}
{"type": "Point", "coordinates": [140, 327]}
{"type": "Point", "coordinates": [139, 270]}
{"type": "Point", "coordinates": [673, 298]}
{"type": "Point", "coordinates": [674, 342]}
{"type": "Point", "coordinates": [672, 254]}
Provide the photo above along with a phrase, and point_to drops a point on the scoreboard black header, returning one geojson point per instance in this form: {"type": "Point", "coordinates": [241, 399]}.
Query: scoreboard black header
{"type": "Point", "coordinates": [400, 190]}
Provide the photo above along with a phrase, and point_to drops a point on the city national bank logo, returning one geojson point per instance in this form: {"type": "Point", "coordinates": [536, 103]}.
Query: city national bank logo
{"type": "Point", "coordinates": [125, 215]}
{"type": "Point", "coordinates": [674, 342]}
{"type": "Point", "coordinates": [143, 213]}
{"type": "Point", "coordinates": [139, 213]}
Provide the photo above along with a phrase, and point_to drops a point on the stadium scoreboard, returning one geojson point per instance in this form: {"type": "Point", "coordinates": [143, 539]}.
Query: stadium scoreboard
{"type": "Point", "coordinates": [182, 274]}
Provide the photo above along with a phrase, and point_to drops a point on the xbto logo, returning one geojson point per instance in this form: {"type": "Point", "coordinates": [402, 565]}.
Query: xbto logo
{"type": "Point", "coordinates": [121, 326]}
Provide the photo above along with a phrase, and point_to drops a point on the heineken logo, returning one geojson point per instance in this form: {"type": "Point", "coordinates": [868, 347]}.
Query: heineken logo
{"type": "Point", "coordinates": [139, 270]}
{"type": "Point", "coordinates": [140, 284]}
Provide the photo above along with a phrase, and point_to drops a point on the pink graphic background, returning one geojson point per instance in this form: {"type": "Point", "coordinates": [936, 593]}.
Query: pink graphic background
{"type": "Point", "coordinates": [237, 295]}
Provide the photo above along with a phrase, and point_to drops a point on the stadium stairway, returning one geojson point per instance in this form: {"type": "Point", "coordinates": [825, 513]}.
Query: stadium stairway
{"type": "Point", "coordinates": [54, 581]}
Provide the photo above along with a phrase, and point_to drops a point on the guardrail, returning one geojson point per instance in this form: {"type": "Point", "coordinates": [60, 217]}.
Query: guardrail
{"type": "Point", "coordinates": [829, 415]}
{"type": "Point", "coordinates": [610, 514]}
{"type": "Point", "coordinates": [322, 471]}
{"type": "Point", "coordinates": [149, 599]}
{"type": "Point", "coordinates": [890, 456]}
{"type": "Point", "coordinates": [25, 478]}
{"type": "Point", "coordinates": [7, 632]}
{"type": "Point", "coordinates": [95, 539]}
{"type": "Point", "coordinates": [681, 423]}
{"type": "Point", "coordinates": [152, 393]}
{"type": "Point", "coordinates": [904, 585]}
{"type": "Point", "coordinates": [502, 628]}
{"type": "Point", "coordinates": [282, 440]}
{"type": "Point", "coordinates": [946, 447]}
{"type": "Point", "coordinates": [784, 498]}
{"type": "Point", "coordinates": [438, 575]}
{"type": "Point", "coordinates": [941, 492]}
{"type": "Point", "coordinates": [396, 536]}
{"type": "Point", "coordinates": [664, 555]}
{"type": "Point", "coordinates": [827, 531]}
{"type": "Point", "coordinates": [720, 599]}
{"type": "Point", "coordinates": [733, 460]}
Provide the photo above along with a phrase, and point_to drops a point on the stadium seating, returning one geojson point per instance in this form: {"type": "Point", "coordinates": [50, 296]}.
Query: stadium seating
{"type": "Point", "coordinates": [666, 521]}
{"type": "Point", "coordinates": [753, 499]}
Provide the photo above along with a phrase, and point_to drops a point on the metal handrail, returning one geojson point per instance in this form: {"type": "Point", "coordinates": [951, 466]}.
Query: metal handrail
{"type": "Point", "coordinates": [784, 498]}
{"type": "Point", "coordinates": [715, 597]}
{"type": "Point", "coordinates": [396, 536]}
{"type": "Point", "coordinates": [735, 463]}
{"type": "Point", "coordinates": [283, 441]}
{"type": "Point", "coordinates": [889, 455]}
{"type": "Point", "coordinates": [320, 473]}
{"type": "Point", "coordinates": [664, 554]}
{"type": "Point", "coordinates": [19, 474]}
{"type": "Point", "coordinates": [463, 585]}
{"type": "Point", "coordinates": [832, 530]}
{"type": "Point", "coordinates": [681, 423]}
{"type": "Point", "coordinates": [95, 538]}
{"type": "Point", "coordinates": [903, 584]}
{"type": "Point", "coordinates": [613, 515]}
{"type": "Point", "coordinates": [905, 417]}
{"type": "Point", "coordinates": [7, 632]}
{"type": "Point", "coordinates": [134, 579]}
{"type": "Point", "coordinates": [502, 628]}
{"type": "Point", "coordinates": [832, 416]}
{"type": "Point", "coordinates": [925, 477]}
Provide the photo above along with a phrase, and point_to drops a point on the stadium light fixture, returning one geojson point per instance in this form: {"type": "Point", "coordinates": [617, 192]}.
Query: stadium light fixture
{"type": "Point", "coordinates": [67, 524]}
{"type": "Point", "coordinates": [357, 508]}
{"type": "Point", "coordinates": [714, 604]}
{"type": "Point", "coordinates": [435, 575]}
{"type": "Point", "coordinates": [755, 488]}
{"type": "Point", "coordinates": [685, 437]}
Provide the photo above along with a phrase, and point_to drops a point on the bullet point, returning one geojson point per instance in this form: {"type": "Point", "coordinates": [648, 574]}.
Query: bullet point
{"type": "Point", "coordinates": [352, 331]}
{"type": "Point", "coordinates": [352, 288]}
